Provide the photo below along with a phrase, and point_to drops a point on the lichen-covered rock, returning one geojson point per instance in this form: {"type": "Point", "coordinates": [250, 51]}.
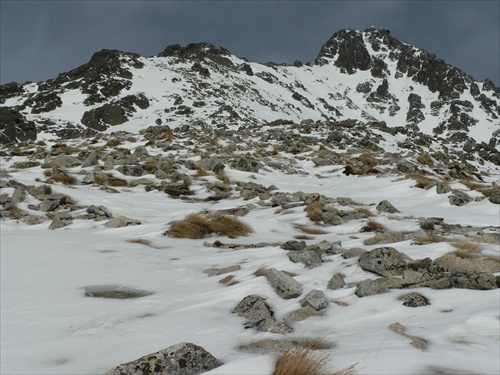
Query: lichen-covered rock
{"type": "Point", "coordinates": [494, 196]}
{"type": "Point", "coordinates": [459, 198]}
{"type": "Point", "coordinates": [385, 261]}
{"type": "Point", "coordinates": [121, 221]}
{"type": "Point", "coordinates": [336, 282]}
{"type": "Point", "coordinates": [260, 315]}
{"type": "Point", "coordinates": [285, 286]}
{"type": "Point", "coordinates": [386, 206]}
{"type": "Point", "coordinates": [294, 245]}
{"type": "Point", "coordinates": [308, 258]}
{"type": "Point", "coordinates": [369, 288]}
{"type": "Point", "coordinates": [315, 299]}
{"type": "Point", "coordinates": [179, 359]}
{"type": "Point", "coordinates": [414, 300]}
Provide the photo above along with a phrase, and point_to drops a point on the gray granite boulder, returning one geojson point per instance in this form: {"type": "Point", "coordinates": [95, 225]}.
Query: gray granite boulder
{"type": "Point", "coordinates": [285, 286]}
{"type": "Point", "coordinates": [179, 359]}
{"type": "Point", "coordinates": [385, 261]}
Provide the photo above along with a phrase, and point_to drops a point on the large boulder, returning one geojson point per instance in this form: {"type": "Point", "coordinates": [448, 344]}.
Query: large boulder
{"type": "Point", "coordinates": [385, 261]}
{"type": "Point", "coordinates": [179, 359]}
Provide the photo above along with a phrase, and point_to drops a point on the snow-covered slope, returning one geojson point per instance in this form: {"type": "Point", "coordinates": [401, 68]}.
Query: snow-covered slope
{"type": "Point", "coordinates": [376, 146]}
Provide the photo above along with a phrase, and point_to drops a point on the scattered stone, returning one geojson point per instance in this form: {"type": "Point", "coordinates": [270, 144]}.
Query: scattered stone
{"type": "Point", "coordinates": [315, 299]}
{"type": "Point", "coordinates": [385, 261]}
{"type": "Point", "coordinates": [220, 271]}
{"type": "Point", "coordinates": [442, 188]}
{"type": "Point", "coordinates": [414, 300]}
{"type": "Point", "coordinates": [294, 245]}
{"type": "Point", "coordinates": [353, 252]}
{"type": "Point", "coordinates": [300, 314]}
{"type": "Point", "coordinates": [179, 359]}
{"type": "Point", "coordinates": [386, 206]}
{"type": "Point", "coordinates": [494, 196]}
{"type": "Point", "coordinates": [336, 282]}
{"type": "Point", "coordinates": [260, 315]}
{"type": "Point", "coordinates": [308, 258]}
{"type": "Point", "coordinates": [121, 221]}
{"type": "Point", "coordinates": [369, 288]}
{"type": "Point", "coordinates": [113, 291]}
{"type": "Point", "coordinates": [459, 198]}
{"type": "Point", "coordinates": [285, 286]}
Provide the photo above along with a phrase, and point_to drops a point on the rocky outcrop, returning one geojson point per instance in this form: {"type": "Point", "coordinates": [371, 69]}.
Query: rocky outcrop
{"type": "Point", "coordinates": [179, 359]}
{"type": "Point", "coordinates": [14, 127]}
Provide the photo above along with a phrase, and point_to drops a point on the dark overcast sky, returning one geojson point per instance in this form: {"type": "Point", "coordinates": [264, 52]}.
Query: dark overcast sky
{"type": "Point", "coordinates": [40, 39]}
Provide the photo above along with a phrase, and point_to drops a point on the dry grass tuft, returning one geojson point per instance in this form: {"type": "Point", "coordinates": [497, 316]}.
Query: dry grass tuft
{"type": "Point", "coordinates": [303, 361]}
{"type": "Point", "coordinates": [196, 226]}
{"type": "Point", "coordinates": [226, 279]}
{"type": "Point", "coordinates": [60, 176]}
{"type": "Point", "coordinates": [314, 344]}
{"type": "Point", "coordinates": [422, 181]}
{"type": "Point", "coordinates": [368, 160]}
{"type": "Point", "coordinates": [308, 230]}
{"type": "Point", "coordinates": [150, 165]}
{"type": "Point", "coordinates": [200, 171]}
{"type": "Point", "coordinates": [114, 181]}
{"type": "Point", "coordinates": [261, 271]}
{"type": "Point", "coordinates": [140, 241]}
{"type": "Point", "coordinates": [303, 237]}
{"type": "Point", "coordinates": [363, 210]}
{"type": "Point", "coordinates": [222, 176]}
{"type": "Point", "coordinates": [484, 189]}
{"type": "Point", "coordinates": [314, 211]}
{"type": "Point", "coordinates": [425, 240]}
{"type": "Point", "coordinates": [113, 142]}
{"type": "Point", "coordinates": [466, 249]}
{"type": "Point", "coordinates": [372, 226]}
{"type": "Point", "coordinates": [425, 159]}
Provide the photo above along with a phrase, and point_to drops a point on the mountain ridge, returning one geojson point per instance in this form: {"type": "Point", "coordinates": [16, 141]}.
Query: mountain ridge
{"type": "Point", "coordinates": [368, 76]}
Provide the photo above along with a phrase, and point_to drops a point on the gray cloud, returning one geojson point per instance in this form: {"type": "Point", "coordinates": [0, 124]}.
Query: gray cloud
{"type": "Point", "coordinates": [40, 39]}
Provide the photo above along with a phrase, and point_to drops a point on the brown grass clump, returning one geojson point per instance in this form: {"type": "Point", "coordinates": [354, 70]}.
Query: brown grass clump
{"type": "Point", "coordinates": [372, 226]}
{"type": "Point", "coordinates": [466, 249]}
{"type": "Point", "coordinates": [314, 211]}
{"type": "Point", "coordinates": [150, 165]}
{"type": "Point", "coordinates": [422, 181]}
{"type": "Point", "coordinates": [425, 240]}
{"type": "Point", "coordinates": [303, 237]}
{"type": "Point", "coordinates": [117, 182]}
{"type": "Point", "coordinates": [482, 188]}
{"type": "Point", "coordinates": [140, 241]}
{"type": "Point", "coordinates": [363, 210]}
{"type": "Point", "coordinates": [113, 142]}
{"type": "Point", "coordinates": [200, 171]}
{"type": "Point", "coordinates": [61, 177]}
{"type": "Point", "coordinates": [308, 230]}
{"type": "Point", "coordinates": [368, 160]}
{"type": "Point", "coordinates": [425, 159]}
{"type": "Point", "coordinates": [303, 361]}
{"type": "Point", "coordinates": [222, 176]}
{"type": "Point", "coordinates": [261, 271]}
{"type": "Point", "coordinates": [226, 279]}
{"type": "Point", "coordinates": [196, 226]}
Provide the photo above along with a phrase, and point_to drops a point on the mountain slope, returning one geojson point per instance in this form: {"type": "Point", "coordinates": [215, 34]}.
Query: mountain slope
{"type": "Point", "coordinates": [368, 76]}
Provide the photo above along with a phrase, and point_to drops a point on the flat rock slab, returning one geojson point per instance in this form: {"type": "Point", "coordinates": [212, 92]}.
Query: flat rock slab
{"type": "Point", "coordinates": [179, 359]}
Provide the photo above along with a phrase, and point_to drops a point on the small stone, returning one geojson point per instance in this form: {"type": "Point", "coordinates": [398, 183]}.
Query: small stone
{"type": "Point", "coordinates": [386, 206]}
{"type": "Point", "coordinates": [414, 300]}
{"type": "Point", "coordinates": [285, 286]}
{"type": "Point", "coordinates": [316, 299]}
{"type": "Point", "coordinates": [336, 282]}
{"type": "Point", "coordinates": [294, 245]}
{"type": "Point", "coordinates": [369, 288]}
{"type": "Point", "coordinates": [308, 258]}
{"type": "Point", "coordinates": [121, 221]}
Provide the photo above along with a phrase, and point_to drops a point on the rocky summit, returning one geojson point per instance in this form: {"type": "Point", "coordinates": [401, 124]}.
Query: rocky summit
{"type": "Point", "coordinates": [198, 198]}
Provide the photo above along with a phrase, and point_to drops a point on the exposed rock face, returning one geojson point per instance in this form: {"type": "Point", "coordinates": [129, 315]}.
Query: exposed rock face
{"type": "Point", "coordinates": [14, 127]}
{"type": "Point", "coordinates": [179, 359]}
